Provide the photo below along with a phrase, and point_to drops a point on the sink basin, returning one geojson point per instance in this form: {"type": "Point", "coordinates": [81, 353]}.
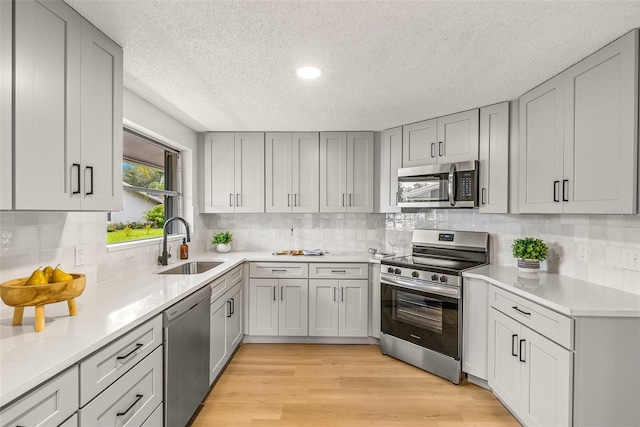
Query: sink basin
{"type": "Point", "coordinates": [194, 267]}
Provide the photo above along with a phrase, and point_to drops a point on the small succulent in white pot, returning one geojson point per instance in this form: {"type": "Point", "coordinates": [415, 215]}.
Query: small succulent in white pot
{"type": "Point", "coordinates": [222, 241]}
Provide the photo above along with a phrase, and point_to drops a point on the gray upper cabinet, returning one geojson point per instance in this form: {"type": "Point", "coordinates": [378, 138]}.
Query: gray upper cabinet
{"type": "Point", "coordinates": [494, 158]}
{"type": "Point", "coordinates": [578, 136]}
{"type": "Point", "coordinates": [233, 172]}
{"type": "Point", "coordinates": [390, 162]}
{"type": "Point", "coordinates": [6, 101]}
{"type": "Point", "coordinates": [292, 172]}
{"type": "Point", "coordinates": [67, 111]}
{"type": "Point", "coordinates": [448, 139]}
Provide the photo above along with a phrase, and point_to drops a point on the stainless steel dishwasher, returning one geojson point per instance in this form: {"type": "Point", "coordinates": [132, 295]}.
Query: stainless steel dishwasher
{"type": "Point", "coordinates": [186, 357]}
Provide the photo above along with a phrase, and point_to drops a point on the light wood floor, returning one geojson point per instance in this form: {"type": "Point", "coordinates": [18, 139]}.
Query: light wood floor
{"type": "Point", "coordinates": [340, 385]}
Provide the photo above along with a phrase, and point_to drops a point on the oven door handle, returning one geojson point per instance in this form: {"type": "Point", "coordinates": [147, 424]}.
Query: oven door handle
{"type": "Point", "coordinates": [452, 184]}
{"type": "Point", "coordinates": [445, 291]}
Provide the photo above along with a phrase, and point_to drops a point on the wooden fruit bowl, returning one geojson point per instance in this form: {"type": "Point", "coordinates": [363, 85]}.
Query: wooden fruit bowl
{"type": "Point", "coordinates": [15, 293]}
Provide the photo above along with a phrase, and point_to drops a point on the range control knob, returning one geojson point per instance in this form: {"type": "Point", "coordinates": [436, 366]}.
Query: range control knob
{"type": "Point", "coordinates": [397, 271]}
{"type": "Point", "coordinates": [443, 278]}
{"type": "Point", "coordinates": [390, 270]}
{"type": "Point", "coordinates": [415, 274]}
{"type": "Point", "coordinates": [434, 277]}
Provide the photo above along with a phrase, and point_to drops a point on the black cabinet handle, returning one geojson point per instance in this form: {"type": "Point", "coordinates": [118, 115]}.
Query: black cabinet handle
{"type": "Point", "coordinates": [339, 271]}
{"type": "Point", "coordinates": [565, 190]}
{"type": "Point", "coordinates": [233, 306]}
{"type": "Point", "coordinates": [238, 200]}
{"type": "Point", "coordinates": [230, 312]}
{"type": "Point", "coordinates": [440, 144]}
{"type": "Point", "coordinates": [288, 199]}
{"type": "Point", "coordinates": [77, 166]}
{"type": "Point", "coordinates": [556, 184]}
{"type": "Point", "coordinates": [526, 313]}
{"type": "Point", "coordinates": [514, 339]}
{"type": "Point", "coordinates": [138, 397]}
{"type": "Point", "coordinates": [521, 358]}
{"type": "Point", "coordinates": [342, 294]}
{"type": "Point", "coordinates": [334, 294]}
{"type": "Point", "coordinates": [295, 199]}
{"type": "Point", "coordinates": [484, 194]}
{"type": "Point", "coordinates": [126, 356]}
{"type": "Point", "coordinates": [281, 293]}
{"type": "Point", "coordinates": [433, 149]}
{"type": "Point", "coordinates": [274, 293]}
{"type": "Point", "coordinates": [91, 175]}
{"type": "Point", "coordinates": [230, 199]}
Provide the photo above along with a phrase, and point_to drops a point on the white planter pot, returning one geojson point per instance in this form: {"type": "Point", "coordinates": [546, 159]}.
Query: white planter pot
{"type": "Point", "coordinates": [530, 266]}
{"type": "Point", "coordinates": [223, 247]}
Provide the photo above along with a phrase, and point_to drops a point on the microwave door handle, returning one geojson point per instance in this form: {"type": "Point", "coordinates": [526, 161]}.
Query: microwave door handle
{"type": "Point", "coordinates": [451, 184]}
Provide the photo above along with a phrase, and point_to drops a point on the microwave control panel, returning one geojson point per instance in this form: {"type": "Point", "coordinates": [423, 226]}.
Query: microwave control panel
{"type": "Point", "coordinates": [466, 188]}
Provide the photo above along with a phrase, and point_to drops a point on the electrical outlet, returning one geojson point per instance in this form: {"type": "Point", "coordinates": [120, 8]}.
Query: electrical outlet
{"type": "Point", "coordinates": [631, 259]}
{"type": "Point", "coordinates": [276, 234]}
{"type": "Point", "coordinates": [80, 255]}
{"type": "Point", "coordinates": [583, 252]}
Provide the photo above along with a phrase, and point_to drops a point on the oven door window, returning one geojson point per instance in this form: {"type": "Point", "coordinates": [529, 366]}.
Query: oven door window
{"type": "Point", "coordinates": [427, 188]}
{"type": "Point", "coordinates": [428, 320]}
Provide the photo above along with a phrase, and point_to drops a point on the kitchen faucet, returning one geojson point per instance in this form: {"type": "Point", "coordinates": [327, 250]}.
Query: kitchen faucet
{"type": "Point", "coordinates": [164, 258]}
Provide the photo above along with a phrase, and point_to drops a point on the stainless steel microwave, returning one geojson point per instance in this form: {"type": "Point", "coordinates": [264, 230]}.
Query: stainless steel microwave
{"type": "Point", "coordinates": [452, 185]}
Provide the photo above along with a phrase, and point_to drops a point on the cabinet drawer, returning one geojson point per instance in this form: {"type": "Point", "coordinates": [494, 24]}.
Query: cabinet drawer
{"type": "Point", "coordinates": [73, 422]}
{"type": "Point", "coordinates": [97, 372]}
{"type": "Point", "coordinates": [269, 270]}
{"type": "Point", "coordinates": [220, 285]}
{"type": "Point", "coordinates": [546, 322]}
{"type": "Point", "coordinates": [155, 419]}
{"type": "Point", "coordinates": [131, 399]}
{"type": "Point", "coordinates": [48, 405]}
{"type": "Point", "coordinates": [234, 276]}
{"type": "Point", "coordinates": [338, 271]}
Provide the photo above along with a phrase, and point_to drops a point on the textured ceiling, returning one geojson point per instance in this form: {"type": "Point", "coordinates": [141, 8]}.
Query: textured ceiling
{"type": "Point", "coordinates": [230, 65]}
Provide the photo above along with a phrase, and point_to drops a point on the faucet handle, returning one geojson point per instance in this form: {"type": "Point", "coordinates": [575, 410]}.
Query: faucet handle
{"type": "Point", "coordinates": [169, 252]}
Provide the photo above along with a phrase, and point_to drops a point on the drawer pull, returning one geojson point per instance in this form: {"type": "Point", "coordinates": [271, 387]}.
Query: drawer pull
{"type": "Point", "coordinates": [126, 356]}
{"type": "Point", "coordinates": [415, 336]}
{"type": "Point", "coordinates": [514, 339]}
{"type": "Point", "coordinates": [515, 307]}
{"type": "Point", "coordinates": [339, 271]}
{"type": "Point", "coordinates": [278, 271]}
{"type": "Point", "coordinates": [138, 397]}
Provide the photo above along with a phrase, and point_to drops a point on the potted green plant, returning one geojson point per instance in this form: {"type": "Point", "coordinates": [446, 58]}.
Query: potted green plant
{"type": "Point", "coordinates": [222, 241]}
{"type": "Point", "coordinates": [529, 251]}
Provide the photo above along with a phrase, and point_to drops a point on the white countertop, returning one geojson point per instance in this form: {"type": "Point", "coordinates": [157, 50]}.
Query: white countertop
{"type": "Point", "coordinates": [106, 311]}
{"type": "Point", "coordinates": [565, 295]}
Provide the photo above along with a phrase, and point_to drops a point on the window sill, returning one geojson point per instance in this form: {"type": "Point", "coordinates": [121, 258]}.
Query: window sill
{"type": "Point", "coordinates": [115, 247]}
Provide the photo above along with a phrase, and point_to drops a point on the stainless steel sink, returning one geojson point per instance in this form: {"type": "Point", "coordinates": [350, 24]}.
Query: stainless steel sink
{"type": "Point", "coordinates": [194, 267]}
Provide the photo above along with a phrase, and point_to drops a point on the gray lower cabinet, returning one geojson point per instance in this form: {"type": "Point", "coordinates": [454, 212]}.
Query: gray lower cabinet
{"type": "Point", "coordinates": [226, 329]}
{"type": "Point", "coordinates": [131, 399]}
{"type": "Point", "coordinates": [48, 405]}
{"type": "Point", "coordinates": [73, 422]}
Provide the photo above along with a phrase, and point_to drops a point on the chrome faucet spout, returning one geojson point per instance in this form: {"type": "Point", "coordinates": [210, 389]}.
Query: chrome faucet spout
{"type": "Point", "coordinates": [163, 259]}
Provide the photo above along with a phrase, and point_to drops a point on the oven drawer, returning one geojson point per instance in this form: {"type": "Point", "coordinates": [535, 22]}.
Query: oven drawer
{"type": "Point", "coordinates": [271, 270]}
{"type": "Point", "coordinates": [555, 326]}
{"type": "Point", "coordinates": [338, 271]}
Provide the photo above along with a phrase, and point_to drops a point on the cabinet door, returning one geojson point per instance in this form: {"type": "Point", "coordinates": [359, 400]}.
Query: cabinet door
{"type": "Point", "coordinates": [474, 328]}
{"type": "Point", "coordinates": [374, 297]}
{"type": "Point", "coordinates": [419, 143]}
{"type": "Point", "coordinates": [600, 139]}
{"type": "Point", "coordinates": [494, 158]}
{"type": "Point", "coordinates": [306, 172]}
{"type": "Point", "coordinates": [6, 105]}
{"type": "Point", "coordinates": [263, 312]}
{"type": "Point", "coordinates": [504, 367]}
{"type": "Point", "coordinates": [360, 172]}
{"type": "Point", "coordinates": [390, 162]}
{"type": "Point", "coordinates": [333, 169]}
{"type": "Point", "coordinates": [540, 149]}
{"type": "Point", "coordinates": [249, 172]}
{"type": "Point", "coordinates": [293, 307]}
{"type": "Point", "coordinates": [353, 314]}
{"type": "Point", "coordinates": [219, 172]}
{"type": "Point", "coordinates": [323, 308]}
{"type": "Point", "coordinates": [218, 348]}
{"type": "Point", "coordinates": [47, 106]}
{"type": "Point", "coordinates": [101, 124]}
{"type": "Point", "coordinates": [458, 137]}
{"type": "Point", "coordinates": [546, 382]}
{"type": "Point", "coordinates": [278, 172]}
{"type": "Point", "coordinates": [234, 319]}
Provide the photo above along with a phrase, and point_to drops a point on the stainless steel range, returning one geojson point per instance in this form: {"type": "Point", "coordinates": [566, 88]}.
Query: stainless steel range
{"type": "Point", "coordinates": [421, 299]}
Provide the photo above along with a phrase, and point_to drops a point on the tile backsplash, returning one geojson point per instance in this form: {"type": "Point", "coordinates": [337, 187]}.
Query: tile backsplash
{"type": "Point", "coordinates": [31, 239]}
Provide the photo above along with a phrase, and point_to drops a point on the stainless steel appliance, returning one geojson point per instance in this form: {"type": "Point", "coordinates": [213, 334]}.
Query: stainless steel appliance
{"type": "Point", "coordinates": [452, 185]}
{"type": "Point", "coordinates": [186, 357]}
{"type": "Point", "coordinates": [421, 299]}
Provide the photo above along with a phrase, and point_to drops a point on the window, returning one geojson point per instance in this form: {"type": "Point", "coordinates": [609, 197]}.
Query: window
{"type": "Point", "coordinates": [151, 193]}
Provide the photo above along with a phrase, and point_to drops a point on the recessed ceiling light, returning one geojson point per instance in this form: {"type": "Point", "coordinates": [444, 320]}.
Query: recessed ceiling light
{"type": "Point", "coordinates": [309, 72]}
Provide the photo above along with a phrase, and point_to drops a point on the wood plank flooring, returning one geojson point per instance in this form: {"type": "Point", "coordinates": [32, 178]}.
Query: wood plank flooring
{"type": "Point", "coordinates": [341, 385]}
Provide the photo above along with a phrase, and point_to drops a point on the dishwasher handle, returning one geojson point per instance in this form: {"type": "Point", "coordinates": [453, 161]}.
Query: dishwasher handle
{"type": "Point", "coordinates": [173, 313]}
